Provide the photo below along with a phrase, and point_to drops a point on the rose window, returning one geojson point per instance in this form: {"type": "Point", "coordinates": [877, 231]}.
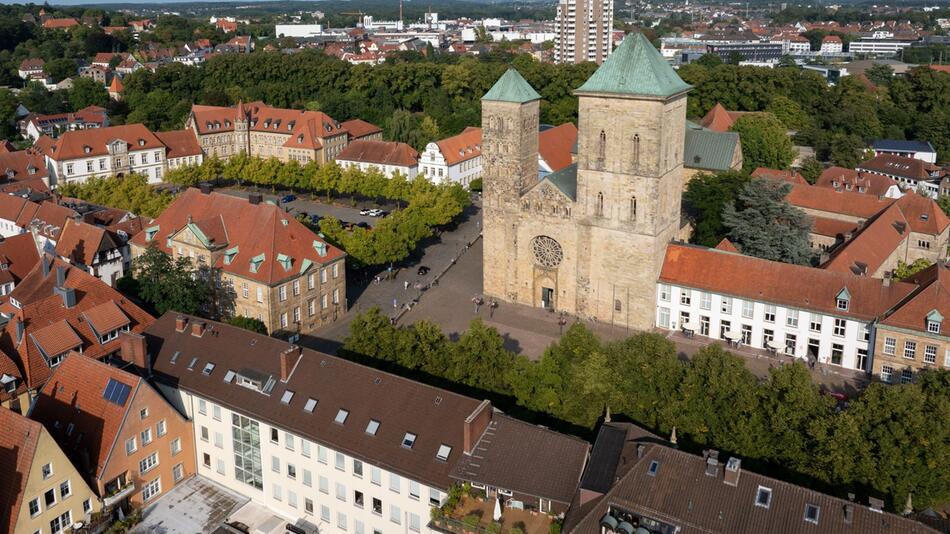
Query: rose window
{"type": "Point", "coordinates": [547, 251]}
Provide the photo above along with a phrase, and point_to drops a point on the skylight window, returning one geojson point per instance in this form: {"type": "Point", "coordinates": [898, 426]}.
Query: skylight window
{"type": "Point", "coordinates": [191, 364]}
{"type": "Point", "coordinates": [310, 405]}
{"type": "Point", "coordinates": [229, 376]}
{"type": "Point", "coordinates": [654, 466]}
{"type": "Point", "coordinates": [811, 513]}
{"type": "Point", "coordinates": [175, 357]}
{"type": "Point", "coordinates": [341, 416]}
{"type": "Point", "coordinates": [209, 367]}
{"type": "Point", "coordinates": [409, 440]}
{"type": "Point", "coordinates": [372, 427]}
{"type": "Point", "coordinates": [444, 452]}
{"type": "Point", "coordinates": [763, 497]}
{"type": "Point", "coordinates": [285, 398]}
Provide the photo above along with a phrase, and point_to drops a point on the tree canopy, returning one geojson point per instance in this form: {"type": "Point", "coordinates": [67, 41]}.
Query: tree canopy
{"type": "Point", "coordinates": [764, 142]}
{"type": "Point", "coordinates": [762, 223]}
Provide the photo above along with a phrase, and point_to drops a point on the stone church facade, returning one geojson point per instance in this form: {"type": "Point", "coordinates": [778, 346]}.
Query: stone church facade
{"type": "Point", "coordinates": [590, 239]}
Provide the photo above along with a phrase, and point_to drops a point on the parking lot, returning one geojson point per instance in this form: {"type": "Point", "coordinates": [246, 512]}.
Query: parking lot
{"type": "Point", "coordinates": [313, 205]}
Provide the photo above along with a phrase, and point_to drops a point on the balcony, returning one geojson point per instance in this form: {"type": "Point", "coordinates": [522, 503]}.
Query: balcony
{"type": "Point", "coordinates": [121, 490]}
{"type": "Point", "coordinates": [468, 511]}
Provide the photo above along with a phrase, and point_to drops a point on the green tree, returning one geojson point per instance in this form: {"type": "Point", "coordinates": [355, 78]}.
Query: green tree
{"type": "Point", "coordinates": [87, 92]}
{"type": "Point", "coordinates": [880, 74]}
{"type": "Point", "coordinates": [131, 193]}
{"type": "Point", "coordinates": [480, 359]}
{"type": "Point", "coordinates": [811, 169]}
{"type": "Point", "coordinates": [248, 323]}
{"type": "Point", "coordinates": [762, 223]}
{"type": "Point", "coordinates": [705, 200]}
{"type": "Point", "coordinates": [764, 142]}
{"type": "Point", "coordinates": [944, 202]}
{"type": "Point", "coordinates": [905, 270]}
{"type": "Point", "coordinates": [61, 68]}
{"type": "Point", "coordinates": [789, 113]}
{"type": "Point", "coordinates": [847, 150]}
{"type": "Point", "coordinates": [709, 60]}
{"type": "Point", "coordinates": [171, 284]}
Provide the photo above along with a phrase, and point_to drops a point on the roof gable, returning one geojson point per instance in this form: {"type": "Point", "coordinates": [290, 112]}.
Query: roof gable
{"type": "Point", "coordinates": [635, 68]}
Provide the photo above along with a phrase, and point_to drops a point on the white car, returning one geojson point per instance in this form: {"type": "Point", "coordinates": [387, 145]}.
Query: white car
{"type": "Point", "coordinates": [376, 213]}
{"type": "Point", "coordinates": [365, 211]}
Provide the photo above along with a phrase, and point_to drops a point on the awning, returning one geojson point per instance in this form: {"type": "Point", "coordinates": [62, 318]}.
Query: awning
{"type": "Point", "coordinates": [733, 335]}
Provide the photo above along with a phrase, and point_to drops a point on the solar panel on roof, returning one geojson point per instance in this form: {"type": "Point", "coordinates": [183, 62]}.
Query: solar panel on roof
{"type": "Point", "coordinates": [116, 392]}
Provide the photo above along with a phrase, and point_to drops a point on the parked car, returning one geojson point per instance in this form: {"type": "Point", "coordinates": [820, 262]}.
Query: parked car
{"type": "Point", "coordinates": [365, 211]}
{"type": "Point", "coordinates": [314, 219]}
{"type": "Point", "coordinates": [376, 213]}
{"type": "Point", "coordinates": [423, 270]}
{"type": "Point", "coordinates": [364, 225]}
{"type": "Point", "coordinates": [288, 198]}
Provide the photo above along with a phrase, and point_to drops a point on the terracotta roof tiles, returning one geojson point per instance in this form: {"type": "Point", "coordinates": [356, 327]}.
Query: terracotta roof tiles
{"type": "Point", "coordinates": [462, 147]}
{"type": "Point", "coordinates": [843, 179]}
{"type": "Point", "coordinates": [357, 128]}
{"type": "Point", "coordinates": [18, 443]}
{"type": "Point", "coordinates": [554, 145]}
{"type": "Point", "coordinates": [380, 152]}
{"type": "Point", "coordinates": [839, 202]}
{"type": "Point", "coordinates": [180, 143]}
{"type": "Point", "coordinates": [79, 242]}
{"type": "Point", "coordinates": [95, 141]}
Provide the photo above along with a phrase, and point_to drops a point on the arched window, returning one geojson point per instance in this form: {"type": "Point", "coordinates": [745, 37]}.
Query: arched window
{"type": "Point", "coordinates": [633, 208]}
{"type": "Point", "coordinates": [636, 151]}
{"type": "Point", "coordinates": [602, 147]}
{"type": "Point", "coordinates": [600, 205]}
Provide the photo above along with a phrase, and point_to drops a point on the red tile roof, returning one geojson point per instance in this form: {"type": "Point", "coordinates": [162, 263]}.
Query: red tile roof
{"type": "Point", "coordinates": [313, 125]}
{"type": "Point", "coordinates": [791, 177]}
{"type": "Point", "coordinates": [74, 395]}
{"type": "Point", "coordinates": [49, 218]}
{"type": "Point", "coordinates": [29, 64]}
{"type": "Point", "coordinates": [726, 245]}
{"type": "Point", "coordinates": [780, 283]}
{"type": "Point", "coordinates": [380, 152]}
{"type": "Point", "coordinates": [357, 128]}
{"type": "Point", "coordinates": [832, 227]}
{"type": "Point", "coordinates": [56, 338]}
{"type": "Point", "coordinates": [116, 85]}
{"type": "Point", "coordinates": [60, 24]}
{"type": "Point", "coordinates": [934, 295]}
{"type": "Point", "coordinates": [17, 450]}
{"type": "Point", "coordinates": [843, 203]}
{"type": "Point", "coordinates": [40, 307]}
{"type": "Point", "coordinates": [22, 165]}
{"type": "Point", "coordinates": [254, 230]}
{"type": "Point", "coordinates": [923, 214]}
{"type": "Point", "coordinates": [461, 147]}
{"type": "Point", "coordinates": [19, 254]}
{"type": "Point", "coordinates": [555, 144]}
{"type": "Point", "coordinates": [859, 182]}
{"type": "Point", "coordinates": [106, 317]}
{"type": "Point", "coordinates": [890, 164]}
{"type": "Point", "coordinates": [95, 141]}
{"type": "Point", "coordinates": [718, 119]}
{"type": "Point", "coordinates": [179, 143]}
{"type": "Point", "coordinates": [79, 242]}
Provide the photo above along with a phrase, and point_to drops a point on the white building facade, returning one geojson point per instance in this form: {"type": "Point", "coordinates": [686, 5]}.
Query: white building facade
{"type": "Point", "coordinates": [456, 159]}
{"type": "Point", "coordinates": [119, 159]}
{"type": "Point", "coordinates": [804, 333]}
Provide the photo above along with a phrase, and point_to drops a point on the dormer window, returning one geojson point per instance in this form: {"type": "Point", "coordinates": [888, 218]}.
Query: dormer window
{"type": "Point", "coordinates": [763, 497]}
{"type": "Point", "coordinates": [934, 322]}
{"type": "Point", "coordinates": [843, 300]}
{"type": "Point", "coordinates": [141, 142]}
{"type": "Point", "coordinates": [87, 149]}
{"type": "Point", "coordinates": [256, 262]}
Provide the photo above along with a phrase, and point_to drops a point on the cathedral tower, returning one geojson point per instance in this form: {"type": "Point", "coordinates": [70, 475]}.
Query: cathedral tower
{"type": "Point", "coordinates": [510, 166]}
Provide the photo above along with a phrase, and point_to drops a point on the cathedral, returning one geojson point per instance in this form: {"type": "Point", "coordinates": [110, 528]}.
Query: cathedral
{"type": "Point", "coordinates": [590, 239]}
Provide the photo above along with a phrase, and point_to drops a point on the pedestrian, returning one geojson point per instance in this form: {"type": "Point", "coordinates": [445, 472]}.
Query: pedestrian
{"type": "Point", "coordinates": [405, 285]}
{"type": "Point", "coordinates": [395, 304]}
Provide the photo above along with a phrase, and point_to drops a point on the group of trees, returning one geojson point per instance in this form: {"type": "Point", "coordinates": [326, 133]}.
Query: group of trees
{"type": "Point", "coordinates": [132, 193]}
{"type": "Point", "coordinates": [426, 205]}
{"type": "Point", "coordinates": [890, 441]}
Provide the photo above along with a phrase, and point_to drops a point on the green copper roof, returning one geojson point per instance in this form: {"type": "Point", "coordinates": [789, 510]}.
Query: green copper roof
{"type": "Point", "coordinates": [635, 68]}
{"type": "Point", "coordinates": [565, 180]}
{"type": "Point", "coordinates": [511, 87]}
{"type": "Point", "coordinates": [708, 150]}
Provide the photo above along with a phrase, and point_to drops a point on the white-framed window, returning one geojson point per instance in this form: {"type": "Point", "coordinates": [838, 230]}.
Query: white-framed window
{"type": "Point", "coordinates": [202, 407]}
{"type": "Point", "coordinates": [887, 374]}
{"type": "Point", "coordinates": [34, 507]}
{"type": "Point", "coordinates": [907, 376]}
{"type": "Point", "coordinates": [278, 492]}
{"type": "Point", "coordinates": [61, 522]}
{"type": "Point", "coordinates": [296, 314]}
{"type": "Point", "coordinates": [705, 301]}
{"type": "Point", "coordinates": [910, 349]}
{"type": "Point", "coordinates": [282, 293]}
{"type": "Point", "coordinates": [47, 471]}
{"type": "Point", "coordinates": [664, 292]}
{"type": "Point", "coordinates": [152, 489]}
{"type": "Point", "coordinates": [311, 281]}
{"type": "Point", "coordinates": [283, 320]}
{"type": "Point", "coordinates": [811, 513]}
{"type": "Point", "coordinates": [324, 485]}
{"type": "Point", "coordinates": [336, 270]}
{"type": "Point", "coordinates": [663, 317]}
{"type": "Point", "coordinates": [763, 497]}
{"type": "Point", "coordinates": [930, 354]}
{"type": "Point", "coordinates": [685, 297]}
{"type": "Point", "coordinates": [814, 322]}
{"type": "Point", "coordinates": [726, 305]}
{"type": "Point", "coordinates": [65, 489]}
{"type": "Point", "coordinates": [336, 295]}
{"type": "Point", "coordinates": [933, 327]}
{"type": "Point", "coordinates": [415, 524]}
{"type": "Point", "coordinates": [161, 428]}
{"type": "Point", "coordinates": [178, 472]}
{"type": "Point", "coordinates": [148, 463]}
{"type": "Point", "coordinates": [946, 359]}
{"type": "Point", "coordinates": [839, 328]}
{"type": "Point", "coordinates": [770, 313]}
{"type": "Point", "coordinates": [748, 309]}
{"type": "Point", "coordinates": [130, 446]}
{"type": "Point", "coordinates": [890, 346]}
{"type": "Point", "coordinates": [323, 276]}
{"type": "Point", "coordinates": [296, 287]}
{"type": "Point", "coordinates": [176, 446]}
{"type": "Point", "coordinates": [841, 304]}
{"type": "Point", "coordinates": [395, 514]}
{"type": "Point", "coordinates": [146, 436]}
{"type": "Point", "coordinates": [414, 490]}
{"type": "Point", "coordinates": [375, 476]}
{"type": "Point", "coordinates": [260, 294]}
{"type": "Point", "coordinates": [219, 440]}
{"type": "Point", "coordinates": [394, 482]}
{"type": "Point", "coordinates": [305, 448]}
{"type": "Point", "coordinates": [340, 492]}
{"type": "Point", "coordinates": [791, 318]}
{"type": "Point", "coordinates": [340, 461]}
{"type": "Point", "coordinates": [275, 464]}
{"type": "Point", "coordinates": [324, 301]}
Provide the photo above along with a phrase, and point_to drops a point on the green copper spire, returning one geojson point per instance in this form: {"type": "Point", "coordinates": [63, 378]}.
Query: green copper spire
{"type": "Point", "coordinates": [511, 87]}
{"type": "Point", "coordinates": [635, 68]}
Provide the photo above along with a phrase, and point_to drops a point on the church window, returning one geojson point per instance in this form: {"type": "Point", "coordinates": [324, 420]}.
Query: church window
{"type": "Point", "coordinates": [636, 150]}
{"type": "Point", "coordinates": [600, 205]}
{"type": "Point", "coordinates": [633, 208]}
{"type": "Point", "coordinates": [547, 251]}
{"type": "Point", "coordinates": [617, 305]}
{"type": "Point", "coordinates": [602, 147]}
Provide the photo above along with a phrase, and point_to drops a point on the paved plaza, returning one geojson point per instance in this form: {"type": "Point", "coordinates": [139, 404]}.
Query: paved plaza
{"type": "Point", "coordinates": [196, 505]}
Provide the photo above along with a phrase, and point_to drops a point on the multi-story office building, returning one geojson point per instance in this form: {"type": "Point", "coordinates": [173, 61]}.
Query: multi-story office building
{"type": "Point", "coordinates": [342, 446]}
{"type": "Point", "coordinates": [583, 31]}
{"type": "Point", "coordinates": [270, 266]}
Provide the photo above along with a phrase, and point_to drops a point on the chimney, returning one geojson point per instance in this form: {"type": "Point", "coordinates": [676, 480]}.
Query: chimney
{"type": "Point", "coordinates": [132, 349]}
{"type": "Point", "coordinates": [205, 188]}
{"type": "Point", "coordinates": [255, 198]}
{"type": "Point", "coordinates": [288, 361]}
{"type": "Point", "coordinates": [848, 236]}
{"type": "Point", "coordinates": [733, 470]}
{"type": "Point", "coordinates": [60, 276]}
{"type": "Point", "coordinates": [45, 265]}
{"type": "Point", "coordinates": [198, 328]}
{"type": "Point", "coordinates": [848, 512]}
{"type": "Point", "coordinates": [19, 330]}
{"type": "Point", "coordinates": [887, 278]}
{"type": "Point", "coordinates": [475, 425]}
{"type": "Point", "coordinates": [876, 505]}
{"type": "Point", "coordinates": [180, 323]}
{"type": "Point", "coordinates": [712, 463]}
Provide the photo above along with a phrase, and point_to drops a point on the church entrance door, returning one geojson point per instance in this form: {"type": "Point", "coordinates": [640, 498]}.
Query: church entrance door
{"type": "Point", "coordinates": [547, 298]}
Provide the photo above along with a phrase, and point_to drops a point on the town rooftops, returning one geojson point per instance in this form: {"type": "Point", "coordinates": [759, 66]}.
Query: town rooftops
{"type": "Point", "coordinates": [718, 119]}
{"type": "Point", "coordinates": [94, 398]}
{"type": "Point", "coordinates": [412, 429]}
{"type": "Point", "coordinates": [839, 202]}
{"type": "Point", "coordinates": [791, 177]}
{"type": "Point", "coordinates": [635, 68]}
{"type": "Point", "coordinates": [931, 304]}
{"type": "Point", "coordinates": [179, 143]}
{"type": "Point", "coordinates": [18, 442]}
{"type": "Point", "coordinates": [895, 145]}
{"type": "Point", "coordinates": [379, 152]}
{"type": "Point", "coordinates": [893, 165]}
{"type": "Point", "coordinates": [554, 145]}
{"type": "Point", "coordinates": [95, 141]}
{"type": "Point", "coordinates": [512, 87]}
{"type": "Point", "coordinates": [785, 284]}
{"type": "Point", "coordinates": [691, 494]}
{"type": "Point", "coordinates": [461, 147]}
{"type": "Point", "coordinates": [18, 256]}
{"type": "Point", "coordinates": [60, 24]}
{"type": "Point", "coordinates": [80, 242]}
{"type": "Point", "coordinates": [257, 236]}
{"type": "Point", "coordinates": [843, 179]}
{"type": "Point", "coordinates": [22, 165]}
{"type": "Point", "coordinates": [357, 128]}
{"type": "Point", "coordinates": [32, 63]}
{"type": "Point", "coordinates": [304, 128]}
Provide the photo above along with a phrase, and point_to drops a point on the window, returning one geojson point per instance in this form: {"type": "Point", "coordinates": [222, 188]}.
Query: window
{"type": "Point", "coordinates": [61, 523]}
{"type": "Point", "coordinates": [49, 497]}
{"type": "Point", "coordinates": [341, 416]}
{"type": "Point", "coordinates": [286, 397]}
{"type": "Point", "coordinates": [278, 492]}
{"type": "Point", "coordinates": [910, 349]}
{"type": "Point", "coordinates": [358, 499]}
{"type": "Point", "coordinates": [705, 301]}
{"type": "Point", "coordinates": [148, 463]}
{"type": "Point", "coordinates": [324, 512]}
{"type": "Point", "coordinates": [291, 472]}
{"type": "Point", "coordinates": [726, 305]}
{"type": "Point", "coordinates": [206, 459]}
{"type": "Point", "coordinates": [282, 293]}
{"type": "Point", "coordinates": [47, 471]}
{"type": "Point", "coordinates": [340, 461]}
{"type": "Point", "coordinates": [414, 523]}
{"type": "Point", "coordinates": [357, 468]}
{"type": "Point", "coordinates": [130, 445]}
{"type": "Point", "coordinates": [839, 327]}
{"type": "Point", "coordinates": [375, 476]}
{"type": "Point", "coordinates": [890, 346]}
{"type": "Point", "coordinates": [663, 317]}
{"type": "Point", "coordinates": [372, 427]}
{"type": "Point", "coordinates": [923, 243]}
{"type": "Point", "coordinates": [408, 440]}
{"type": "Point", "coordinates": [654, 466]}
{"type": "Point", "coordinates": [220, 466]}
{"type": "Point", "coordinates": [837, 353]}
{"type": "Point", "coordinates": [160, 428]}
{"type": "Point", "coordinates": [685, 297]}
{"type": "Point", "coordinates": [377, 506]}
{"type": "Point", "coordinates": [275, 464]}
{"type": "Point", "coordinates": [435, 498]}
{"type": "Point", "coordinates": [323, 276]}
{"type": "Point", "coordinates": [769, 313]}
{"type": "Point", "coordinates": [305, 448]}
{"type": "Point", "coordinates": [933, 327]}
{"type": "Point", "coordinates": [748, 307]}
{"type": "Point", "coordinates": [763, 497]}
{"type": "Point", "coordinates": [340, 492]}
{"type": "Point", "coordinates": [260, 294]}
{"type": "Point", "coordinates": [336, 295]}
{"type": "Point", "coordinates": [906, 376]}
{"type": "Point", "coordinates": [296, 287]}
{"type": "Point", "coordinates": [308, 505]}
{"type": "Point", "coordinates": [414, 490]}
{"type": "Point", "coordinates": [87, 506]}
{"type": "Point", "coordinates": [323, 484]}
{"type": "Point", "coordinates": [444, 451]}
{"type": "Point", "coordinates": [65, 490]}
{"type": "Point", "coordinates": [394, 482]}
{"type": "Point", "coordinates": [814, 322]}
{"type": "Point", "coordinates": [930, 354]}
{"type": "Point", "coordinates": [321, 454]}
{"type": "Point", "coordinates": [291, 499]}
{"type": "Point", "coordinates": [791, 318]}
{"type": "Point", "coordinates": [204, 433]}
{"type": "Point", "coordinates": [341, 520]}
{"type": "Point", "coordinates": [152, 489]}
{"type": "Point", "coordinates": [336, 270]}
{"type": "Point", "coordinates": [841, 304]}
{"type": "Point", "coordinates": [202, 407]}
{"type": "Point", "coordinates": [664, 292]}
{"type": "Point", "coordinates": [34, 507]}
{"type": "Point", "coordinates": [274, 435]}
{"type": "Point", "coordinates": [178, 472]}
{"type": "Point", "coordinates": [283, 320]}
{"type": "Point", "coordinates": [887, 374]}
{"type": "Point", "coordinates": [143, 413]}
{"type": "Point", "coordinates": [146, 436]}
